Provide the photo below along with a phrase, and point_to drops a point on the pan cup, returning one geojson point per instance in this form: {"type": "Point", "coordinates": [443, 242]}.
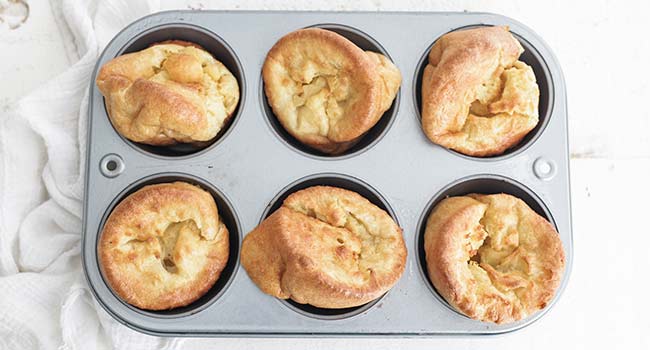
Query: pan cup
{"type": "Point", "coordinates": [483, 184]}
{"type": "Point", "coordinates": [366, 141]}
{"type": "Point", "coordinates": [220, 50]}
{"type": "Point", "coordinates": [531, 57]}
{"type": "Point", "coordinates": [229, 217]}
{"type": "Point", "coordinates": [335, 180]}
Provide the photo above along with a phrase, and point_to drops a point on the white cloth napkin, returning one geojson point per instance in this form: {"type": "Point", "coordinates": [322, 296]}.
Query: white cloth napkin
{"type": "Point", "coordinates": [44, 300]}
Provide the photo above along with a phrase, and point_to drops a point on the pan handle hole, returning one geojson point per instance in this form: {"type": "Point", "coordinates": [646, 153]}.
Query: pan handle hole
{"type": "Point", "coordinates": [111, 165]}
{"type": "Point", "coordinates": [544, 169]}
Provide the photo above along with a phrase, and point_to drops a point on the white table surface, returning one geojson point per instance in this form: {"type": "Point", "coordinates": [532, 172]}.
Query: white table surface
{"type": "Point", "coordinates": [605, 53]}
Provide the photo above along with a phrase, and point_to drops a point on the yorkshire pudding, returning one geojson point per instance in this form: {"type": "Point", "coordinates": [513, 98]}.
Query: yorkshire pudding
{"type": "Point", "coordinates": [492, 257]}
{"type": "Point", "coordinates": [164, 246]}
{"type": "Point", "coordinates": [172, 92]}
{"type": "Point", "coordinates": [477, 98]}
{"type": "Point", "coordinates": [325, 246]}
{"type": "Point", "coordinates": [326, 91]}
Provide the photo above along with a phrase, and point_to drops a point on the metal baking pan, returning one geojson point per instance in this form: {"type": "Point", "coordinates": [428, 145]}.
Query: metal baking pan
{"type": "Point", "coordinates": [254, 164]}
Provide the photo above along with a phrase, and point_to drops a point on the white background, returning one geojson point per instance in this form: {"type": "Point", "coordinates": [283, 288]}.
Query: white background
{"type": "Point", "coordinates": [604, 49]}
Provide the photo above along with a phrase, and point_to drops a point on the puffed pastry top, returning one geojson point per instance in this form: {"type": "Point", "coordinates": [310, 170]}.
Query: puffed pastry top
{"type": "Point", "coordinates": [477, 98]}
{"type": "Point", "coordinates": [164, 246]}
{"type": "Point", "coordinates": [172, 92]}
{"type": "Point", "coordinates": [325, 246]}
{"type": "Point", "coordinates": [326, 91]}
{"type": "Point", "coordinates": [492, 257]}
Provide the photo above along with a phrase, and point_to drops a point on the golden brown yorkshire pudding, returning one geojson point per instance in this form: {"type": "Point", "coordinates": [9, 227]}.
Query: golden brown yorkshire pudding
{"type": "Point", "coordinates": [327, 247]}
{"type": "Point", "coordinates": [492, 257]}
{"type": "Point", "coordinates": [325, 91]}
{"type": "Point", "coordinates": [163, 246]}
{"type": "Point", "coordinates": [477, 98]}
{"type": "Point", "coordinates": [172, 92]}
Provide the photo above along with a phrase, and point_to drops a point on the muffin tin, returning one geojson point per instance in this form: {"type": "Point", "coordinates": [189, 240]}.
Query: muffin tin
{"type": "Point", "coordinates": [254, 164]}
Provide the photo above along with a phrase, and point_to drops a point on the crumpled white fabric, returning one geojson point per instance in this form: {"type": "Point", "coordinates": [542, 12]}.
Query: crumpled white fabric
{"type": "Point", "coordinates": [44, 299]}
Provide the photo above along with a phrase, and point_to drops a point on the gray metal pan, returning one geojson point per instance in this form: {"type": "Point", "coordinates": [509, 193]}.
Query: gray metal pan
{"type": "Point", "coordinates": [255, 163]}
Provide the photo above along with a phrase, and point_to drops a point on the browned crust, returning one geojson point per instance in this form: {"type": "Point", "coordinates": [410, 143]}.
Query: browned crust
{"type": "Point", "coordinates": [330, 52]}
{"type": "Point", "coordinates": [459, 63]}
{"type": "Point", "coordinates": [138, 217]}
{"type": "Point", "coordinates": [288, 255]}
{"type": "Point", "coordinates": [457, 229]}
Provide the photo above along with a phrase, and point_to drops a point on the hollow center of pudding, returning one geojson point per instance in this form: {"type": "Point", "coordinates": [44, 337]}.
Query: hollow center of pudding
{"type": "Point", "coordinates": [512, 91]}
{"type": "Point", "coordinates": [168, 241]}
{"type": "Point", "coordinates": [496, 257]}
{"type": "Point", "coordinates": [487, 93]}
{"type": "Point", "coordinates": [320, 100]}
